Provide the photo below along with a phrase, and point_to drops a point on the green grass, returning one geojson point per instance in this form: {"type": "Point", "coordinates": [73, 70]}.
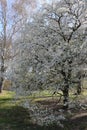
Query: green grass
{"type": "Point", "coordinates": [42, 95]}
{"type": "Point", "coordinates": [12, 116]}
{"type": "Point", "coordinates": [48, 94]}
{"type": "Point", "coordinates": [15, 117]}
{"type": "Point", "coordinates": [6, 95]}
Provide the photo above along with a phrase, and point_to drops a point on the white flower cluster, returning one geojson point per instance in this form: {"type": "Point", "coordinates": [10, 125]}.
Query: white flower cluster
{"type": "Point", "coordinates": [50, 119]}
{"type": "Point", "coordinates": [45, 116]}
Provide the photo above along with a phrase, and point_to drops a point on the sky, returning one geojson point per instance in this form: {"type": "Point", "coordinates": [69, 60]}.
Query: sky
{"type": "Point", "coordinates": [30, 9]}
{"type": "Point", "coordinates": [33, 6]}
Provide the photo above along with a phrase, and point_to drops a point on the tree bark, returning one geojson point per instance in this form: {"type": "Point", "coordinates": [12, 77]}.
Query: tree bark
{"type": "Point", "coordinates": [1, 82]}
{"type": "Point", "coordinates": [79, 88]}
{"type": "Point", "coordinates": [66, 97]}
{"type": "Point", "coordinates": [2, 74]}
{"type": "Point", "coordinates": [3, 46]}
{"type": "Point", "coordinates": [79, 75]}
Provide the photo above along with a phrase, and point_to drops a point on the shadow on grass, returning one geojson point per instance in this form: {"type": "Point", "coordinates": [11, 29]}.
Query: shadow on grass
{"type": "Point", "coordinates": [14, 118]}
{"type": "Point", "coordinates": [80, 122]}
{"type": "Point", "coordinates": [18, 118]}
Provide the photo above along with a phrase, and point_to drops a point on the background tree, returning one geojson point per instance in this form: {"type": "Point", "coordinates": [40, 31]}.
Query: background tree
{"type": "Point", "coordinates": [12, 17]}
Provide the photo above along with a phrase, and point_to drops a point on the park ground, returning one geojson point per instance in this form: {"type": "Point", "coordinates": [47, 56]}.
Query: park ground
{"type": "Point", "coordinates": [15, 117]}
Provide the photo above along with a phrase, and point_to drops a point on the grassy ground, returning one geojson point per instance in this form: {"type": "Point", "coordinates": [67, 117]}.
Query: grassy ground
{"type": "Point", "coordinates": [15, 117]}
{"type": "Point", "coordinates": [12, 117]}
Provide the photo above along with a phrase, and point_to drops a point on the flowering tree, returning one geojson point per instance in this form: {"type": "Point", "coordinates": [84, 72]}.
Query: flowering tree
{"type": "Point", "coordinates": [52, 49]}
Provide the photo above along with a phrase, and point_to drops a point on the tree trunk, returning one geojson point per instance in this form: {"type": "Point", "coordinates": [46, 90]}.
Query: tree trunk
{"type": "Point", "coordinates": [79, 75]}
{"type": "Point", "coordinates": [1, 82]}
{"type": "Point", "coordinates": [67, 79]}
{"type": "Point", "coordinates": [2, 73]}
{"type": "Point", "coordinates": [79, 88]}
{"type": "Point", "coordinates": [66, 97]}
{"type": "Point", "coordinates": [3, 45]}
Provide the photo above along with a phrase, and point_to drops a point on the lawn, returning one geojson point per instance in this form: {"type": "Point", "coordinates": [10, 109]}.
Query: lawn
{"type": "Point", "coordinates": [15, 117]}
{"type": "Point", "coordinates": [12, 116]}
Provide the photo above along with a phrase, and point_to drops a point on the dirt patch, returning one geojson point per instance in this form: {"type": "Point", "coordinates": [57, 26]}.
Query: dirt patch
{"type": "Point", "coordinates": [79, 122]}
{"type": "Point", "coordinates": [79, 115]}
{"type": "Point", "coordinates": [52, 104]}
